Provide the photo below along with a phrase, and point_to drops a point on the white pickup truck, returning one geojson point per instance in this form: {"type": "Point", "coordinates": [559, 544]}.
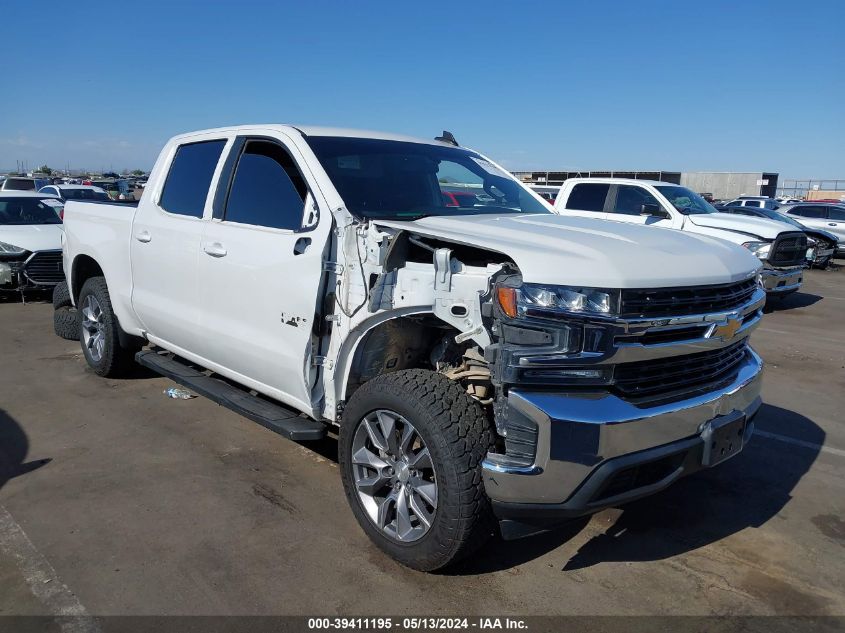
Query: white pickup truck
{"type": "Point", "coordinates": [477, 354]}
{"type": "Point", "coordinates": [780, 247]}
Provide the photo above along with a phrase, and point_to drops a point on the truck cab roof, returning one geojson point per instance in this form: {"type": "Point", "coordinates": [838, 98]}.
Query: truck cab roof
{"type": "Point", "coordinates": [312, 130]}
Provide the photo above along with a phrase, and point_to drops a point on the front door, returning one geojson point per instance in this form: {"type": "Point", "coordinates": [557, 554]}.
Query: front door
{"type": "Point", "coordinates": [260, 272]}
{"type": "Point", "coordinates": [637, 205]}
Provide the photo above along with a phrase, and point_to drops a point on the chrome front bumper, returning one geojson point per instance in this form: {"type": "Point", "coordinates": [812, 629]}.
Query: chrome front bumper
{"type": "Point", "coordinates": [778, 281]}
{"type": "Point", "coordinates": [582, 437]}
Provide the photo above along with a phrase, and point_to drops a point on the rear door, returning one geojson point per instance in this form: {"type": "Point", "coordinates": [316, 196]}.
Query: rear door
{"type": "Point", "coordinates": [260, 270]}
{"type": "Point", "coordinates": [587, 199]}
{"type": "Point", "coordinates": [165, 243]}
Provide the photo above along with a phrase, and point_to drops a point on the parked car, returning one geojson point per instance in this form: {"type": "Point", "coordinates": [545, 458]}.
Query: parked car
{"type": "Point", "coordinates": [30, 242]}
{"type": "Point", "coordinates": [779, 246]}
{"type": "Point", "coordinates": [116, 189]}
{"type": "Point", "coordinates": [76, 192]}
{"type": "Point", "coordinates": [23, 183]}
{"type": "Point", "coordinates": [546, 192]}
{"type": "Point", "coordinates": [472, 358]}
{"type": "Point", "coordinates": [822, 244]}
{"type": "Point", "coordinates": [827, 216]}
{"type": "Point", "coordinates": [756, 202]}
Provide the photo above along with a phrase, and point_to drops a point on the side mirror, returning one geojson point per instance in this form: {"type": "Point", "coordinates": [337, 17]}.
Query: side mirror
{"type": "Point", "coordinates": [653, 210]}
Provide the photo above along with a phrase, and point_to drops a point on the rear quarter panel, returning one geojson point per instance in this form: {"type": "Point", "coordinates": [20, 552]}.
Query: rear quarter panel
{"type": "Point", "coordinates": [102, 231]}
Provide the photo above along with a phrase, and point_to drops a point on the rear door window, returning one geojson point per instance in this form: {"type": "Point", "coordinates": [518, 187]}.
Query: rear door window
{"type": "Point", "coordinates": [267, 189]}
{"type": "Point", "coordinates": [588, 197]}
{"type": "Point", "coordinates": [189, 179]}
{"type": "Point", "coordinates": [836, 213]}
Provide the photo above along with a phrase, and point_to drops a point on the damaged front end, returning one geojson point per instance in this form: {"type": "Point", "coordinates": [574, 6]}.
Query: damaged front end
{"type": "Point", "coordinates": [22, 270]}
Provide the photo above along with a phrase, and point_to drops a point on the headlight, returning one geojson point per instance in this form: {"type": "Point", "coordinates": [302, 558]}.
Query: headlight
{"type": "Point", "coordinates": [552, 301]}
{"type": "Point", "coordinates": [811, 241]}
{"type": "Point", "coordinates": [760, 249]}
{"type": "Point", "coordinates": [11, 249]}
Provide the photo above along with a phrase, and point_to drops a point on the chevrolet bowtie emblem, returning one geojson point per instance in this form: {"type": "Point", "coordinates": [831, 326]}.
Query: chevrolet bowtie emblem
{"type": "Point", "coordinates": [726, 330]}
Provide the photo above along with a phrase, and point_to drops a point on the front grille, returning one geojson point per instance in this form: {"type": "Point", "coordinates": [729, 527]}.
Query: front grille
{"type": "Point", "coordinates": [665, 375]}
{"type": "Point", "coordinates": [667, 302]}
{"type": "Point", "coordinates": [45, 267]}
{"type": "Point", "coordinates": [789, 249]}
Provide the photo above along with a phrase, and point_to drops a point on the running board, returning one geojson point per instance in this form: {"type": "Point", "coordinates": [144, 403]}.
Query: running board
{"type": "Point", "coordinates": [271, 415]}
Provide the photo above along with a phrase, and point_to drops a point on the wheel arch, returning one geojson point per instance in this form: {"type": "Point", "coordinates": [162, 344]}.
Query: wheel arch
{"type": "Point", "coordinates": [84, 267]}
{"type": "Point", "coordinates": [377, 333]}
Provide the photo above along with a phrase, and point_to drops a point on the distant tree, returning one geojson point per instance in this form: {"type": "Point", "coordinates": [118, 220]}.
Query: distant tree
{"type": "Point", "coordinates": [45, 170]}
{"type": "Point", "coordinates": [137, 172]}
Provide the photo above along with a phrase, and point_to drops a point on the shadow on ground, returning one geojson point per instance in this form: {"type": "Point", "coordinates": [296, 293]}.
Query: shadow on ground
{"type": "Point", "coordinates": [791, 302]}
{"type": "Point", "coordinates": [746, 491]}
{"type": "Point", "coordinates": [14, 447]}
{"type": "Point", "coordinates": [32, 296]}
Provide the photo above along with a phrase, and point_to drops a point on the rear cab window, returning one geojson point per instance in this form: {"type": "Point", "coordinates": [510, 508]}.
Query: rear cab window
{"type": "Point", "coordinates": [19, 184]}
{"type": "Point", "coordinates": [189, 178]}
{"type": "Point", "coordinates": [588, 197]}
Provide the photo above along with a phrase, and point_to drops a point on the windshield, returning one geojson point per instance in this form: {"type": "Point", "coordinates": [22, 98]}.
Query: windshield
{"type": "Point", "coordinates": [26, 211]}
{"type": "Point", "coordinates": [84, 194]}
{"type": "Point", "coordinates": [399, 180]}
{"type": "Point", "coordinates": [686, 201]}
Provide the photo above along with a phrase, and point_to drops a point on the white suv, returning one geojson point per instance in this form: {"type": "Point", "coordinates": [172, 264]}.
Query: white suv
{"type": "Point", "coordinates": [821, 215]}
{"type": "Point", "coordinates": [757, 202]}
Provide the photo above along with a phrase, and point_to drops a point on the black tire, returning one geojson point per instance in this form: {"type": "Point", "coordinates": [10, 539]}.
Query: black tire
{"type": "Point", "coordinates": [115, 360]}
{"type": "Point", "coordinates": [66, 323]}
{"type": "Point", "coordinates": [458, 435]}
{"type": "Point", "coordinates": [61, 296]}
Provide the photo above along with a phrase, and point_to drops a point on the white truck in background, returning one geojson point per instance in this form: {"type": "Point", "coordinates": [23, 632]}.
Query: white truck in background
{"type": "Point", "coordinates": [476, 354]}
{"type": "Point", "coordinates": [781, 248]}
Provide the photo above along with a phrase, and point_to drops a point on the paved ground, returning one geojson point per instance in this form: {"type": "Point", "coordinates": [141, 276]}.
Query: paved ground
{"type": "Point", "coordinates": [117, 500]}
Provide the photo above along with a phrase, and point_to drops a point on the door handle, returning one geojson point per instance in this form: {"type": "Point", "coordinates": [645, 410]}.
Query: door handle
{"type": "Point", "coordinates": [143, 236]}
{"type": "Point", "coordinates": [301, 245]}
{"type": "Point", "coordinates": [833, 224]}
{"type": "Point", "coordinates": [215, 249]}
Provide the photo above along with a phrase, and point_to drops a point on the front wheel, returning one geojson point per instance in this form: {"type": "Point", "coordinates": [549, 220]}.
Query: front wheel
{"type": "Point", "coordinates": [410, 450]}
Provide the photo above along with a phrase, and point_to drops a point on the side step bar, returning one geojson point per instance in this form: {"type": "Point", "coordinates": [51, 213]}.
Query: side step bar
{"type": "Point", "coordinates": [271, 415]}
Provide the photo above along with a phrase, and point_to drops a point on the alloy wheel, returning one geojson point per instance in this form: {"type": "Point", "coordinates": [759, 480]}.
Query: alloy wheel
{"type": "Point", "coordinates": [93, 328]}
{"type": "Point", "coordinates": [394, 475]}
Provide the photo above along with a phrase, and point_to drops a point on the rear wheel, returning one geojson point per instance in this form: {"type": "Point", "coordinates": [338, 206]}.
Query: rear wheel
{"type": "Point", "coordinates": [99, 331]}
{"type": "Point", "coordinates": [410, 451]}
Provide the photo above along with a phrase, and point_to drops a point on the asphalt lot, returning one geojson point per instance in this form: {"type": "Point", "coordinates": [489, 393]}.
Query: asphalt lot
{"type": "Point", "coordinates": [115, 499]}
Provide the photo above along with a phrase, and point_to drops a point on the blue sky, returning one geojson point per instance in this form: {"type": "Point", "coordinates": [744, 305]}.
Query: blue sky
{"type": "Point", "coordinates": [678, 85]}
